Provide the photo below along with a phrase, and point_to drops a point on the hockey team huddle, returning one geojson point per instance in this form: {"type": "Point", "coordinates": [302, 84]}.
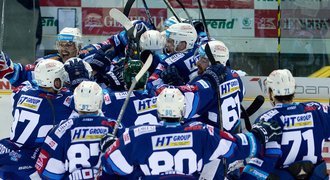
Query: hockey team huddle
{"type": "Point", "coordinates": [85, 113]}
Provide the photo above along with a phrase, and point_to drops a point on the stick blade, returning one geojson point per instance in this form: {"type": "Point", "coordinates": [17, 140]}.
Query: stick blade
{"type": "Point", "coordinates": [144, 68]}
{"type": "Point", "coordinates": [121, 18]}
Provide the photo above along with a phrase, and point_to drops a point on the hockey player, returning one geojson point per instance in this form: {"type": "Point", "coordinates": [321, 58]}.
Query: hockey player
{"type": "Point", "coordinates": [36, 110]}
{"type": "Point", "coordinates": [172, 151]}
{"type": "Point", "coordinates": [305, 127]}
{"type": "Point", "coordinates": [71, 151]}
{"type": "Point", "coordinates": [68, 45]}
{"type": "Point", "coordinates": [180, 45]}
{"type": "Point", "coordinates": [141, 107]}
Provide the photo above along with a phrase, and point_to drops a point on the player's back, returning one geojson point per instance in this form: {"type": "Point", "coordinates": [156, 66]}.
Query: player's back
{"type": "Point", "coordinates": [35, 113]}
{"type": "Point", "coordinates": [72, 150]}
{"type": "Point", "coordinates": [166, 151]}
{"type": "Point", "coordinates": [305, 126]}
{"type": "Point", "coordinates": [141, 107]}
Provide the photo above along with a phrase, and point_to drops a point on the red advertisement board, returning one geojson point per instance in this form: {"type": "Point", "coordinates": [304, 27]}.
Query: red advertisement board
{"type": "Point", "coordinates": [265, 23]}
{"type": "Point", "coordinates": [220, 4]}
{"type": "Point", "coordinates": [65, 3]}
{"type": "Point", "coordinates": [97, 21]}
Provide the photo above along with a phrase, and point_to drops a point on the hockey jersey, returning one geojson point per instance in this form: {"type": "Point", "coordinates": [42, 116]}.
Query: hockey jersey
{"type": "Point", "coordinates": [71, 151]}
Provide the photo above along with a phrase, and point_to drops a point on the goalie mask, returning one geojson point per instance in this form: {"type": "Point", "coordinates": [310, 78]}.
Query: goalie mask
{"type": "Point", "coordinates": [171, 103]}
{"type": "Point", "coordinates": [50, 73]}
{"type": "Point", "coordinates": [131, 69]}
{"type": "Point", "coordinates": [88, 97]}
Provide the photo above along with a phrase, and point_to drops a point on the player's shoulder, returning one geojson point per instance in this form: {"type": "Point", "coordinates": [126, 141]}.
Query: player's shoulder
{"type": "Point", "coordinates": [270, 114]}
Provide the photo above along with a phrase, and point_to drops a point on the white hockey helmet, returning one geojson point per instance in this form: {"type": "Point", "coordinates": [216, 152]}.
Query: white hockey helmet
{"type": "Point", "coordinates": [87, 65]}
{"type": "Point", "coordinates": [152, 40]}
{"type": "Point", "coordinates": [218, 49]}
{"type": "Point", "coordinates": [281, 82]}
{"type": "Point", "coordinates": [49, 70]}
{"type": "Point", "coordinates": [171, 103]}
{"type": "Point", "coordinates": [88, 97]}
{"type": "Point", "coordinates": [70, 34]}
{"type": "Point", "coordinates": [182, 32]}
{"type": "Point", "coordinates": [172, 20]}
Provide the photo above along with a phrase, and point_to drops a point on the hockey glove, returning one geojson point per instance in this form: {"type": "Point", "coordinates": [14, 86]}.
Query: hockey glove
{"type": "Point", "coordinates": [215, 74]}
{"type": "Point", "coordinates": [267, 131]}
{"type": "Point", "coordinates": [171, 76]}
{"type": "Point", "coordinates": [77, 72]}
{"type": "Point", "coordinates": [6, 65]}
{"type": "Point", "coordinates": [115, 78]}
{"type": "Point", "coordinates": [100, 62]}
{"type": "Point", "coordinates": [106, 141]}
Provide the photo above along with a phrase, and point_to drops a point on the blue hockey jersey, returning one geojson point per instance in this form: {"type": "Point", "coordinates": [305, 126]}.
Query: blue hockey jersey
{"type": "Point", "coordinates": [202, 101]}
{"type": "Point", "coordinates": [305, 127]}
{"type": "Point", "coordinates": [36, 112]}
{"type": "Point", "coordinates": [71, 151]}
{"type": "Point", "coordinates": [141, 107]}
{"type": "Point", "coordinates": [172, 150]}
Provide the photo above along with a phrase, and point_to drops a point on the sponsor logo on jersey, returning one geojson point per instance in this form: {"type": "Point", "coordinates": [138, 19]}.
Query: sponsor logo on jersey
{"type": "Point", "coordinates": [170, 141]}
{"type": "Point", "coordinates": [269, 114]}
{"type": "Point", "coordinates": [298, 121]}
{"type": "Point", "coordinates": [63, 127]}
{"type": "Point", "coordinates": [203, 83]}
{"type": "Point", "coordinates": [256, 161]}
{"type": "Point", "coordinates": [42, 161]}
{"type": "Point", "coordinates": [51, 143]}
{"type": "Point", "coordinates": [191, 63]}
{"type": "Point", "coordinates": [243, 139]}
{"type": "Point", "coordinates": [145, 105]}
{"type": "Point", "coordinates": [29, 102]}
{"type": "Point", "coordinates": [126, 137]}
{"type": "Point", "coordinates": [175, 57]}
{"type": "Point", "coordinates": [122, 95]}
{"type": "Point", "coordinates": [143, 130]}
{"type": "Point", "coordinates": [229, 87]}
{"type": "Point", "coordinates": [88, 133]}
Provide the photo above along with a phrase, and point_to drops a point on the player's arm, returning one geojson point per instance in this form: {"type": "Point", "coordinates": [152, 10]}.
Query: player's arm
{"type": "Point", "coordinates": [50, 163]}
{"type": "Point", "coordinates": [116, 159]}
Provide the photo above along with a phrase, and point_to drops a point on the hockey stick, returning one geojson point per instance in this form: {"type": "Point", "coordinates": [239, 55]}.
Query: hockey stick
{"type": "Point", "coordinates": [203, 19]}
{"type": "Point", "coordinates": [128, 7]}
{"type": "Point", "coordinates": [148, 13]}
{"type": "Point", "coordinates": [172, 10]}
{"type": "Point", "coordinates": [121, 18]}
{"type": "Point", "coordinates": [255, 105]}
{"type": "Point", "coordinates": [185, 10]}
{"type": "Point", "coordinates": [136, 79]}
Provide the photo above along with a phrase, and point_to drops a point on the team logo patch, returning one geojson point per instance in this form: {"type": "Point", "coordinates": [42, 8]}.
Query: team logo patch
{"type": "Point", "coordinates": [298, 121]}
{"type": "Point", "coordinates": [143, 130]}
{"type": "Point", "coordinates": [107, 99]}
{"type": "Point", "coordinates": [51, 143]}
{"type": "Point", "coordinates": [210, 129]}
{"type": "Point", "coordinates": [170, 141]}
{"type": "Point", "coordinates": [88, 133]}
{"type": "Point", "coordinates": [126, 137]}
{"type": "Point", "coordinates": [67, 101]}
{"type": "Point", "coordinates": [29, 102]}
{"type": "Point", "coordinates": [63, 127]}
{"type": "Point", "coordinates": [145, 105]}
{"type": "Point", "coordinates": [229, 87]}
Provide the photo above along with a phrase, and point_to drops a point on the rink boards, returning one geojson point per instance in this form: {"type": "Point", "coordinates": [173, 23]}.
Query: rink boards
{"type": "Point", "coordinates": [307, 89]}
